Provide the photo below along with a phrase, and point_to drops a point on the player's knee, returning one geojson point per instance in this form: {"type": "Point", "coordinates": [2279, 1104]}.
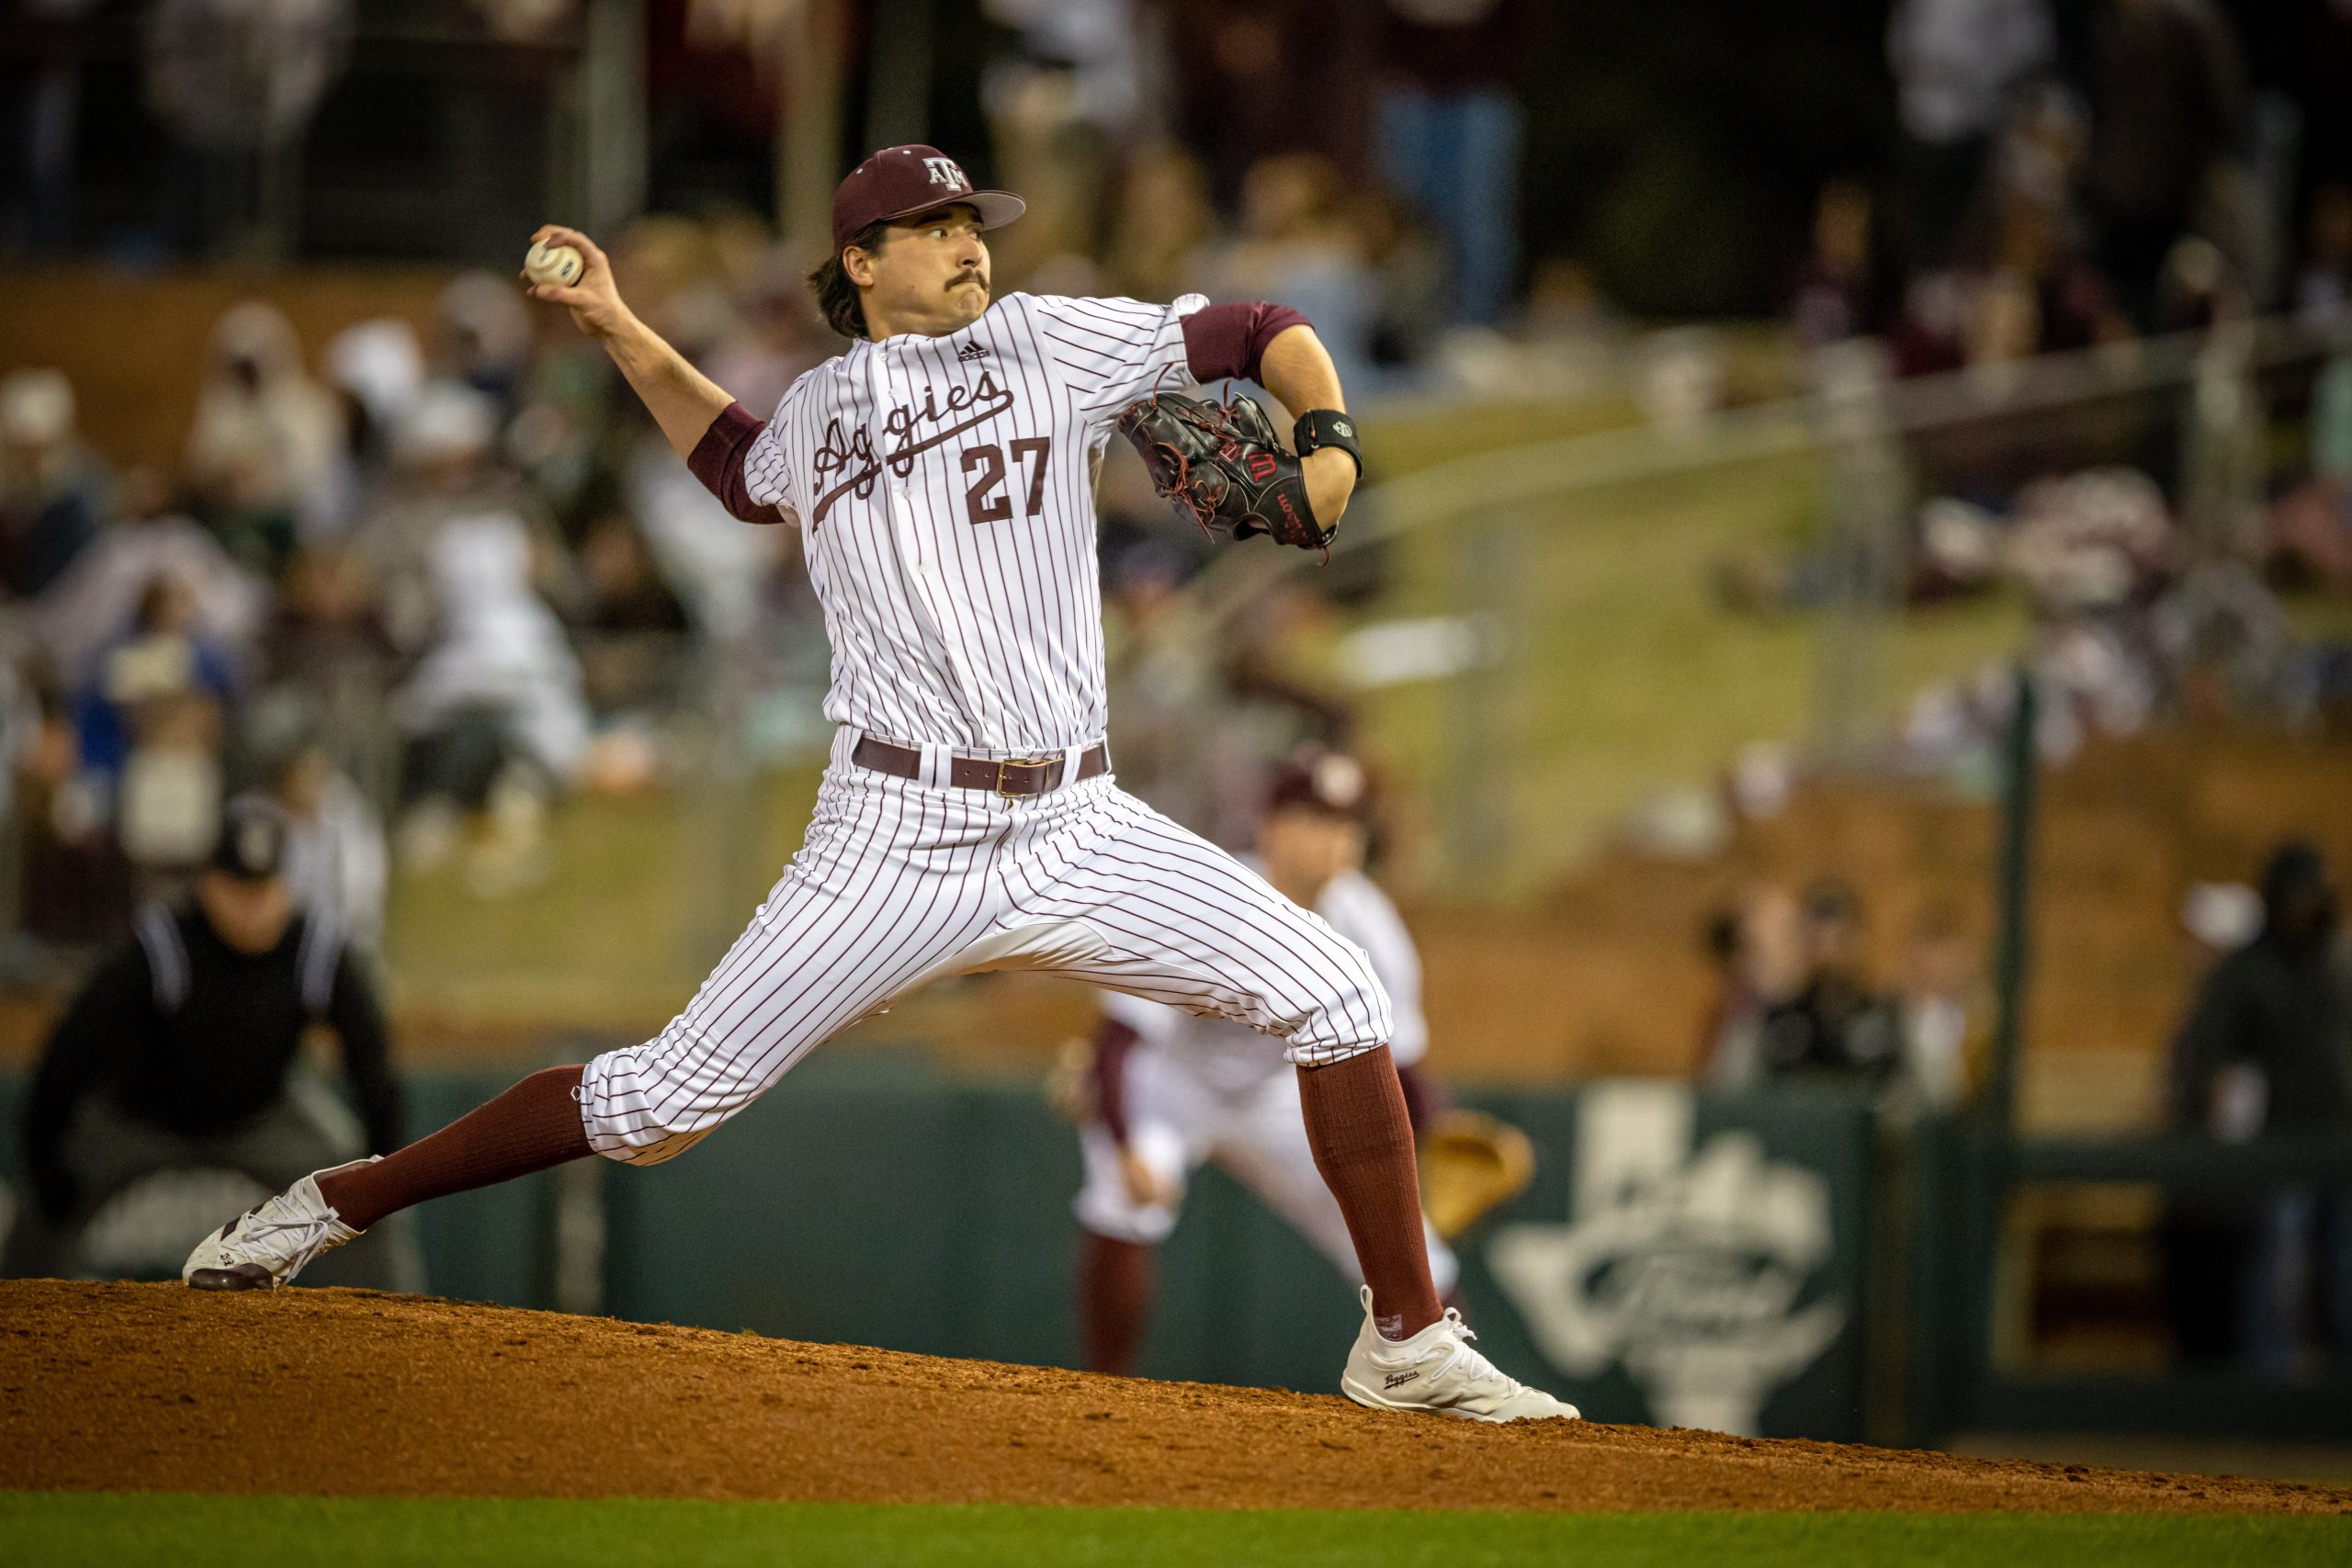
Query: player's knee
{"type": "Point", "coordinates": [643, 1106]}
{"type": "Point", "coordinates": [1351, 1017]}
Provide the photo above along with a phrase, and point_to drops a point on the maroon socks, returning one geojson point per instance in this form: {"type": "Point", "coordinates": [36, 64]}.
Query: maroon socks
{"type": "Point", "coordinates": [1364, 1145]}
{"type": "Point", "coordinates": [1114, 1301]}
{"type": "Point", "coordinates": [530, 1127]}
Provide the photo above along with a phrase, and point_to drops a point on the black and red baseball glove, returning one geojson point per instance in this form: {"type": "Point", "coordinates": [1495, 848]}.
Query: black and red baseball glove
{"type": "Point", "coordinates": [1223, 466]}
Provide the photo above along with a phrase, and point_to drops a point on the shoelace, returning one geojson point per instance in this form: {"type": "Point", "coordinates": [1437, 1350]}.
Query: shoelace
{"type": "Point", "coordinates": [1459, 1350]}
{"type": "Point", "coordinates": [312, 1231]}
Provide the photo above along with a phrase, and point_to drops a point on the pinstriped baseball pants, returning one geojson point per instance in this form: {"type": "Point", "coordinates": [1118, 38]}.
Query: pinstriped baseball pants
{"type": "Point", "coordinates": [900, 883]}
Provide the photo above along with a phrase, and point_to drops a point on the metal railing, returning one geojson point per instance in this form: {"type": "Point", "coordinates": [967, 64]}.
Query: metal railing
{"type": "Point", "coordinates": [1488, 545]}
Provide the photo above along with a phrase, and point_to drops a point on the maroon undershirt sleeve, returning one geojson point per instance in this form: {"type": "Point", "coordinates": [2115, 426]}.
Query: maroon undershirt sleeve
{"type": "Point", "coordinates": [1113, 1042]}
{"type": "Point", "coordinates": [1229, 339]}
{"type": "Point", "coordinates": [717, 462]}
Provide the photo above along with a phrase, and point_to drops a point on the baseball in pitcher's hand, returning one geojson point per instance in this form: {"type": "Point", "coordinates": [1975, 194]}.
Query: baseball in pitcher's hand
{"type": "Point", "coordinates": [1331, 477]}
{"type": "Point", "coordinates": [594, 300]}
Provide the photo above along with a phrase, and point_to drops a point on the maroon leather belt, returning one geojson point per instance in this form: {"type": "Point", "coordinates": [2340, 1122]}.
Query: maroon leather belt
{"type": "Point", "coordinates": [1008, 777]}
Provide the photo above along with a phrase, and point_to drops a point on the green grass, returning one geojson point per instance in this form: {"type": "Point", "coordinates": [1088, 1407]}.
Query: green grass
{"type": "Point", "coordinates": [64, 1529]}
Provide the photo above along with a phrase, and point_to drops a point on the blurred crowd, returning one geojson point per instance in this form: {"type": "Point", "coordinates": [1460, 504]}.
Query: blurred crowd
{"type": "Point", "coordinates": [418, 586]}
{"type": "Point", "coordinates": [2055, 188]}
{"type": "Point", "coordinates": [422, 586]}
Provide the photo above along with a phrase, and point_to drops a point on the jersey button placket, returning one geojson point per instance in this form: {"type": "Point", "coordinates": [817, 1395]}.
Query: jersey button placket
{"type": "Point", "coordinates": [926, 588]}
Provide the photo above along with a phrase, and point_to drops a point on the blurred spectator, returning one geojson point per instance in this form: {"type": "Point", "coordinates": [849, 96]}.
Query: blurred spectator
{"type": "Point", "coordinates": [378, 368]}
{"type": "Point", "coordinates": [484, 337]}
{"type": "Point", "coordinates": [719, 568]}
{"type": "Point", "coordinates": [637, 628]}
{"type": "Point", "coordinates": [1931, 333]}
{"type": "Point", "coordinates": [326, 636]}
{"type": "Point", "coordinates": [1063, 102]}
{"type": "Point", "coordinates": [53, 489]}
{"type": "Point", "coordinates": [2267, 1048]}
{"type": "Point", "coordinates": [2325, 289]}
{"type": "Point", "coordinates": [2040, 295]}
{"type": "Point", "coordinates": [563, 443]}
{"type": "Point", "coordinates": [1938, 977]}
{"type": "Point", "coordinates": [2038, 158]}
{"type": "Point", "coordinates": [2166, 91]}
{"type": "Point", "coordinates": [1408, 267]}
{"type": "Point", "coordinates": [263, 456]}
{"type": "Point", "coordinates": [1161, 663]}
{"type": "Point", "coordinates": [99, 595]}
{"type": "Point", "coordinates": [1757, 947]}
{"type": "Point", "coordinates": [1256, 78]}
{"type": "Point", "coordinates": [782, 338]}
{"type": "Point", "coordinates": [444, 469]}
{"type": "Point", "coordinates": [2310, 526]}
{"type": "Point", "coordinates": [1836, 292]}
{"type": "Point", "coordinates": [151, 727]}
{"type": "Point", "coordinates": [1295, 247]}
{"type": "Point", "coordinates": [1449, 127]}
{"type": "Point", "coordinates": [162, 654]}
{"type": "Point", "coordinates": [1957, 64]}
{"type": "Point", "coordinates": [1834, 1025]}
{"type": "Point", "coordinates": [41, 103]}
{"type": "Point", "coordinates": [234, 80]}
{"type": "Point", "coordinates": [75, 887]}
{"type": "Point", "coordinates": [181, 1054]}
{"type": "Point", "coordinates": [494, 713]}
{"type": "Point", "coordinates": [1161, 219]}
{"type": "Point", "coordinates": [336, 862]}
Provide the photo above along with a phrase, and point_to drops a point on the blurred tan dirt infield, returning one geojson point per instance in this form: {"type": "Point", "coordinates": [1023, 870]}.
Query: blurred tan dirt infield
{"type": "Point", "coordinates": [156, 1387]}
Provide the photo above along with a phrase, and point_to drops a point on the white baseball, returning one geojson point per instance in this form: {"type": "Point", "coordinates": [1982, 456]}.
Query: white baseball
{"type": "Point", "coordinates": [559, 264]}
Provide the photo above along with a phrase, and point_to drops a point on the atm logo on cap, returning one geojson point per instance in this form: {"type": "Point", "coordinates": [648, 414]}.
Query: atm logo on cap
{"type": "Point", "coordinates": [943, 171]}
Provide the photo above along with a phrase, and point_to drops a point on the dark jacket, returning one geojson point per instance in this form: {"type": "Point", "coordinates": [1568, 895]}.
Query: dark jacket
{"type": "Point", "coordinates": [2286, 1009]}
{"type": "Point", "coordinates": [182, 1031]}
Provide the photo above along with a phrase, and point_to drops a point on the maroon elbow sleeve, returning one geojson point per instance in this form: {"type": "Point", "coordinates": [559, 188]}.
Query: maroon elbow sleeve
{"type": "Point", "coordinates": [717, 462]}
{"type": "Point", "coordinates": [1229, 339]}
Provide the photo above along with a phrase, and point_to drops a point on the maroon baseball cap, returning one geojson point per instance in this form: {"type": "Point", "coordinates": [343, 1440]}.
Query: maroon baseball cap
{"type": "Point", "coordinates": [899, 182]}
{"type": "Point", "coordinates": [1319, 780]}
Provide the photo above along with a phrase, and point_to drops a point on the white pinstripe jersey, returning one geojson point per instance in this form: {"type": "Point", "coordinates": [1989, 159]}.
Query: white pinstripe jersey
{"type": "Point", "coordinates": [944, 491]}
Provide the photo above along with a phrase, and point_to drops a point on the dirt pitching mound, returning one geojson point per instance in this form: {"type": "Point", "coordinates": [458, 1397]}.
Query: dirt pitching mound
{"type": "Point", "coordinates": [155, 1387]}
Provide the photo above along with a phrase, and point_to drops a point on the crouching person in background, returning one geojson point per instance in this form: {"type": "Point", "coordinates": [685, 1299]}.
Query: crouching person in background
{"type": "Point", "coordinates": [175, 1076]}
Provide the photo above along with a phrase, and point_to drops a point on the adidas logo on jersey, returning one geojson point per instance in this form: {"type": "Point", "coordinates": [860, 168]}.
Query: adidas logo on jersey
{"type": "Point", "coordinates": [972, 351]}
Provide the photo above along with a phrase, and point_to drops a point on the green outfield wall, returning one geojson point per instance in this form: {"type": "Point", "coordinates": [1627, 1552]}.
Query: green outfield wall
{"type": "Point", "coordinates": [1677, 1257]}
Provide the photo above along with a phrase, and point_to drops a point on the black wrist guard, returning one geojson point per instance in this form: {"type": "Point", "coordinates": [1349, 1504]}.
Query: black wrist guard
{"type": "Point", "coordinates": [1318, 428]}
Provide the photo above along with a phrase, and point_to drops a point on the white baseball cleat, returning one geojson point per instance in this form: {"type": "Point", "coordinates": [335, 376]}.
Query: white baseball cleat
{"type": "Point", "coordinates": [265, 1247]}
{"type": "Point", "coordinates": [1436, 1370]}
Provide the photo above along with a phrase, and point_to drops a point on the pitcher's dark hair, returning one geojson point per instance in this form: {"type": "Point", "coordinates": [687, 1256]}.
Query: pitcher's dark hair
{"type": "Point", "coordinates": [836, 295]}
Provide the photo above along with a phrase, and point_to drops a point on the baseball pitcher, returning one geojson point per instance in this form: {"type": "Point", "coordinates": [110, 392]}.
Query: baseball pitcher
{"type": "Point", "coordinates": [941, 475]}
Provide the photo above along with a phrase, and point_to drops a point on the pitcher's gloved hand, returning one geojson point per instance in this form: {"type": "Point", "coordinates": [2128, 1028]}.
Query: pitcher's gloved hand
{"type": "Point", "coordinates": [1222, 465]}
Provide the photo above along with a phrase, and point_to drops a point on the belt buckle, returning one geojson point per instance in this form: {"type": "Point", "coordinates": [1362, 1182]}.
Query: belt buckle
{"type": "Point", "coordinates": [1003, 793]}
